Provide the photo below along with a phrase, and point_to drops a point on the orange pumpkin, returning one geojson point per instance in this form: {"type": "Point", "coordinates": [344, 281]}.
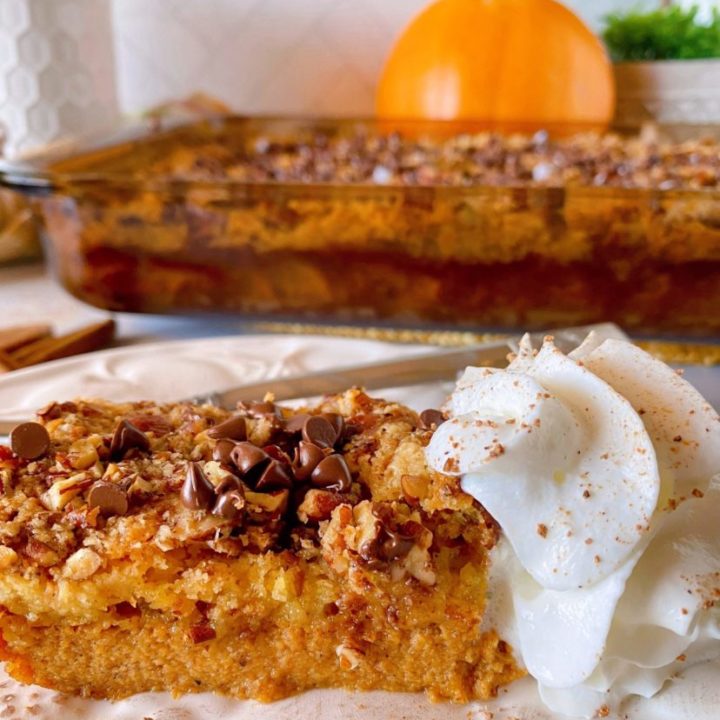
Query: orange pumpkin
{"type": "Point", "coordinates": [524, 62]}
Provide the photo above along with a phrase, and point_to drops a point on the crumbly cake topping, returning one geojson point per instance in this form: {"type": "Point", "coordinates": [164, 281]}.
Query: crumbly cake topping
{"type": "Point", "coordinates": [346, 481]}
{"type": "Point", "coordinates": [469, 159]}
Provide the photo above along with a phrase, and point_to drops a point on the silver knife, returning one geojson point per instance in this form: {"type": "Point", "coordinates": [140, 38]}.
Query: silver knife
{"type": "Point", "coordinates": [410, 370]}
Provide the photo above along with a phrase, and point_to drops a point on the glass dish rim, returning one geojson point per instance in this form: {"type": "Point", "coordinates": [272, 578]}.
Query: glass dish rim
{"type": "Point", "coordinates": [29, 173]}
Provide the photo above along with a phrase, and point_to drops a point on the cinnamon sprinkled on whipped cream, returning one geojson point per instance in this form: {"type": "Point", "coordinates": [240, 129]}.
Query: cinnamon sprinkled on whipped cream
{"type": "Point", "coordinates": [603, 580]}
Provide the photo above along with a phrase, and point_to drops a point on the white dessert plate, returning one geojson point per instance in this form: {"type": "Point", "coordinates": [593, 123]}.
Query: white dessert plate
{"type": "Point", "coordinates": [169, 370]}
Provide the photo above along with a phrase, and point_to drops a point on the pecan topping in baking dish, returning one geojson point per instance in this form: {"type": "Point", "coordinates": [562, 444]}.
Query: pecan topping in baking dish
{"type": "Point", "coordinates": [646, 160]}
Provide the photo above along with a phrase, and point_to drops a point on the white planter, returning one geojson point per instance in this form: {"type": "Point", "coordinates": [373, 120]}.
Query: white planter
{"type": "Point", "coordinates": [668, 91]}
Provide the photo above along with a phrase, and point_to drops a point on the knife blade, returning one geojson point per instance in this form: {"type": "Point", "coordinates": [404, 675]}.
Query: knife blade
{"type": "Point", "coordinates": [400, 372]}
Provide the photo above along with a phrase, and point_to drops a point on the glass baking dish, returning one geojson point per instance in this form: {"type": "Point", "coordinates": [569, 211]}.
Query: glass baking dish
{"type": "Point", "coordinates": [153, 221]}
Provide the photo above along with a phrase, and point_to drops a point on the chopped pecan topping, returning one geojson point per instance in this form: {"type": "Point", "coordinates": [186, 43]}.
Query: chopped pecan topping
{"type": "Point", "coordinates": [274, 502]}
{"type": "Point", "coordinates": [41, 553]}
{"type": "Point", "coordinates": [61, 492]}
{"type": "Point", "coordinates": [83, 453]}
{"type": "Point", "coordinates": [202, 632]}
{"type": "Point", "coordinates": [414, 487]}
{"type": "Point", "coordinates": [149, 423]}
{"type": "Point", "coordinates": [483, 158]}
{"type": "Point", "coordinates": [82, 564]}
{"type": "Point", "coordinates": [55, 410]}
{"type": "Point", "coordinates": [254, 494]}
{"type": "Point", "coordinates": [318, 505]}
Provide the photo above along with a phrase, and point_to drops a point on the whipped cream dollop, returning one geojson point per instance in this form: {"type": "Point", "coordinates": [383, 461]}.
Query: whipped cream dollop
{"type": "Point", "coordinates": [599, 468]}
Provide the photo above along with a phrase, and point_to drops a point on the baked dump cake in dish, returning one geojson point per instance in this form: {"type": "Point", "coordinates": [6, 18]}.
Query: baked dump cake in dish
{"type": "Point", "coordinates": [262, 216]}
{"type": "Point", "coordinates": [555, 519]}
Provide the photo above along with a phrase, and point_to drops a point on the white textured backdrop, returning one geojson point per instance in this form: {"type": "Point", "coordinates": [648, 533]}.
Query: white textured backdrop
{"type": "Point", "coordinates": [56, 69]}
{"type": "Point", "coordinates": [293, 56]}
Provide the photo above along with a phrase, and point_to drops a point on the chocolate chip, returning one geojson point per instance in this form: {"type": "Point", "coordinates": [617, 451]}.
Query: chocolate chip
{"type": "Point", "coordinates": [431, 419]}
{"type": "Point", "coordinates": [126, 437]}
{"type": "Point", "coordinates": [296, 423]}
{"type": "Point", "coordinates": [333, 473]}
{"type": "Point", "coordinates": [29, 440]}
{"type": "Point", "coordinates": [395, 545]}
{"type": "Point", "coordinates": [234, 428]}
{"type": "Point", "coordinates": [197, 491]}
{"type": "Point", "coordinates": [228, 483]}
{"type": "Point", "coordinates": [275, 476]}
{"type": "Point", "coordinates": [277, 453]}
{"type": "Point", "coordinates": [338, 422]}
{"type": "Point", "coordinates": [307, 457]}
{"type": "Point", "coordinates": [248, 458]}
{"type": "Point", "coordinates": [108, 497]}
{"type": "Point", "coordinates": [229, 505]}
{"type": "Point", "coordinates": [319, 431]}
{"type": "Point", "coordinates": [222, 451]}
{"type": "Point", "coordinates": [388, 543]}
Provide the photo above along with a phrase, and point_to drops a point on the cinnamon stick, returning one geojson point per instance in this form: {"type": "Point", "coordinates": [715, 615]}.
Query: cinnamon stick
{"type": "Point", "coordinates": [7, 363]}
{"type": "Point", "coordinates": [15, 337]}
{"type": "Point", "coordinates": [92, 337]}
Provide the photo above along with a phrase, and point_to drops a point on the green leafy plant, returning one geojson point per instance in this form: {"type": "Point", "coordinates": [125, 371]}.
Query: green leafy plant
{"type": "Point", "coordinates": [669, 33]}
